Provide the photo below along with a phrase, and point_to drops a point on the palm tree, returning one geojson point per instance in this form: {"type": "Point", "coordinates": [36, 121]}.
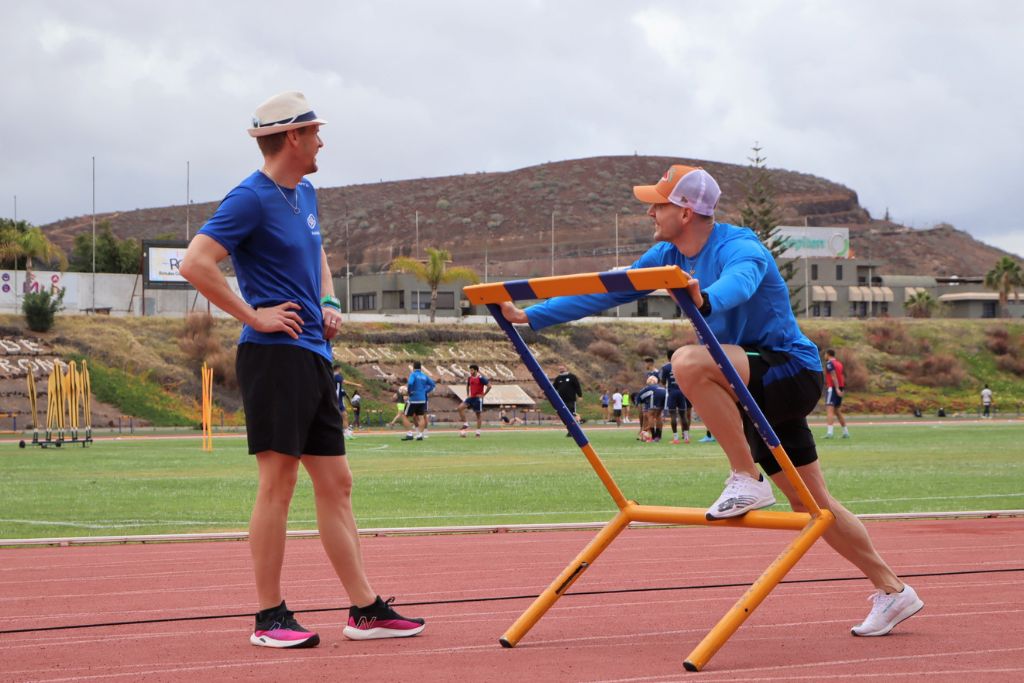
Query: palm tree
{"type": "Point", "coordinates": [434, 272]}
{"type": "Point", "coordinates": [1005, 278]}
{"type": "Point", "coordinates": [28, 242]}
{"type": "Point", "coordinates": [921, 305]}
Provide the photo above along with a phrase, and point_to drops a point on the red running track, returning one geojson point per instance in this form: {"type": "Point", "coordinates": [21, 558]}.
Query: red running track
{"type": "Point", "coordinates": [970, 628]}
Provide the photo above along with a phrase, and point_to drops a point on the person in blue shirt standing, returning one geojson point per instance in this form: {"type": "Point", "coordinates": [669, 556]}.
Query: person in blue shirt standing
{"type": "Point", "coordinates": [270, 227]}
{"type": "Point", "coordinates": [737, 287]}
{"type": "Point", "coordinates": [420, 385]}
{"type": "Point", "coordinates": [676, 405]}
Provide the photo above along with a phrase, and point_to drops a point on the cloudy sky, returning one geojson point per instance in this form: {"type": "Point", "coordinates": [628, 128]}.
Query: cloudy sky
{"type": "Point", "coordinates": [918, 106]}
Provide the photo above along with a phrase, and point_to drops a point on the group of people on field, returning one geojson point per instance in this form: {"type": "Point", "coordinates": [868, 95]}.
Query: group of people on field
{"type": "Point", "coordinates": [269, 226]}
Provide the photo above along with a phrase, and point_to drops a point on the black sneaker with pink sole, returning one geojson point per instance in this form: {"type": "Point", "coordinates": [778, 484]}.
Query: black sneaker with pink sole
{"type": "Point", "coordinates": [380, 621]}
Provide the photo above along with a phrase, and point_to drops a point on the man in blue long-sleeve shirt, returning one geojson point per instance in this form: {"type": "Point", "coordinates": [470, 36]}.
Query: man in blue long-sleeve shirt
{"type": "Point", "coordinates": [738, 289]}
{"type": "Point", "coordinates": [416, 407]}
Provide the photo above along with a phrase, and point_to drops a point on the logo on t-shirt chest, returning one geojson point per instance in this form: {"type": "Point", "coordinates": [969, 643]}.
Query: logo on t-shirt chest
{"type": "Point", "coordinates": [313, 227]}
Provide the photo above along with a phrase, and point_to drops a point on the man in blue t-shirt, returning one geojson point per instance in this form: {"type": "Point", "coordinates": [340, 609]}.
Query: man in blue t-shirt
{"type": "Point", "coordinates": [676, 405]}
{"type": "Point", "coordinates": [737, 287]}
{"type": "Point", "coordinates": [270, 227]}
{"type": "Point", "coordinates": [420, 385]}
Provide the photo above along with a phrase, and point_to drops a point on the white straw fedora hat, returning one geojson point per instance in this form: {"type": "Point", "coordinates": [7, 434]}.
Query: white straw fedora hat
{"type": "Point", "coordinates": [283, 112]}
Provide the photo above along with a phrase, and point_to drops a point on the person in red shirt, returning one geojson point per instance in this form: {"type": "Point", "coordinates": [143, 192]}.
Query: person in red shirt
{"type": "Point", "coordinates": [477, 387]}
{"type": "Point", "coordinates": [835, 389]}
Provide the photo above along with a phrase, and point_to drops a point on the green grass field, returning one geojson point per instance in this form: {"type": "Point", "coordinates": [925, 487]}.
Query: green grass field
{"type": "Point", "coordinates": [153, 486]}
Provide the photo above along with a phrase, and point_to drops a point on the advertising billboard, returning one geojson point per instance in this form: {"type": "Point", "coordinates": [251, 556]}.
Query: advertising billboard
{"type": "Point", "coordinates": [160, 262]}
{"type": "Point", "coordinates": [812, 242]}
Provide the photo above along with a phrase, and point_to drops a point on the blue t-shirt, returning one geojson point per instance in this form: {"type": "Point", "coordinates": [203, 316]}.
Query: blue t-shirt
{"type": "Point", "coordinates": [668, 378]}
{"type": "Point", "coordinates": [652, 397]}
{"type": "Point", "coordinates": [419, 386]}
{"type": "Point", "coordinates": [276, 254]}
{"type": "Point", "coordinates": [749, 299]}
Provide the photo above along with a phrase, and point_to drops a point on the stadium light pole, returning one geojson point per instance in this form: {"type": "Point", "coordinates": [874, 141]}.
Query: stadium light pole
{"type": "Point", "coordinates": [94, 234]}
{"type": "Point", "coordinates": [807, 295]}
{"type": "Point", "coordinates": [15, 256]}
{"type": "Point", "coordinates": [188, 226]}
{"type": "Point", "coordinates": [188, 199]}
{"type": "Point", "coordinates": [552, 242]}
{"type": "Point", "coordinates": [348, 275]}
{"type": "Point", "coordinates": [618, 311]}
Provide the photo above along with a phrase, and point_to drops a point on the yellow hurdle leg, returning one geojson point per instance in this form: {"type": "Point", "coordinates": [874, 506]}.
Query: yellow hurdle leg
{"type": "Point", "coordinates": [757, 592]}
{"type": "Point", "coordinates": [579, 565]}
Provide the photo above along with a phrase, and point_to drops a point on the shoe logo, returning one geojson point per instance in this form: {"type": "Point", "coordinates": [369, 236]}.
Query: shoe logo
{"type": "Point", "coordinates": [366, 623]}
{"type": "Point", "coordinates": [734, 503]}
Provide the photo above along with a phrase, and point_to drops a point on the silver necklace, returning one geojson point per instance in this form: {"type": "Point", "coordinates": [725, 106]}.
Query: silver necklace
{"type": "Point", "coordinates": [294, 207]}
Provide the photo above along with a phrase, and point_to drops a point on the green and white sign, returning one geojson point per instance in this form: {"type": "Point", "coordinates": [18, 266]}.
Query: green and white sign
{"type": "Point", "coordinates": [811, 242]}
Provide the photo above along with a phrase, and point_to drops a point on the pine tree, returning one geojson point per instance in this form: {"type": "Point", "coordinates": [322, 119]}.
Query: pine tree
{"type": "Point", "coordinates": [760, 213]}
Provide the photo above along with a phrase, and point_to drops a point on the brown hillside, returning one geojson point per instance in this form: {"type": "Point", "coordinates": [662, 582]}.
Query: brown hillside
{"type": "Point", "coordinates": [514, 209]}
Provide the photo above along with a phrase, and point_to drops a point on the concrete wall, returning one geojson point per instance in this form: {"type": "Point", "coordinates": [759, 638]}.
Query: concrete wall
{"type": "Point", "coordinates": [121, 294]}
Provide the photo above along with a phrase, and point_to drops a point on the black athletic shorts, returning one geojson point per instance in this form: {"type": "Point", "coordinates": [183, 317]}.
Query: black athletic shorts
{"type": "Point", "coordinates": [419, 408]}
{"type": "Point", "coordinates": [786, 393]}
{"type": "Point", "coordinates": [289, 398]}
{"type": "Point", "coordinates": [832, 398]}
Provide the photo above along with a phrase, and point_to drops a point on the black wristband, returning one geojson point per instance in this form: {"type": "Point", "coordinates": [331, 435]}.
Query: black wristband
{"type": "Point", "coordinates": [705, 308]}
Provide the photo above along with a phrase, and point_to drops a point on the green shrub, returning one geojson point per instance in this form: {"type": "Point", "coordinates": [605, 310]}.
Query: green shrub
{"type": "Point", "coordinates": [40, 308]}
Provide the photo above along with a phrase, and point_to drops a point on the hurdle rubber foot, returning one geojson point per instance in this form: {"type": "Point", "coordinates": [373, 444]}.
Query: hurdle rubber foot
{"type": "Point", "coordinates": [690, 666]}
{"type": "Point", "coordinates": [505, 642]}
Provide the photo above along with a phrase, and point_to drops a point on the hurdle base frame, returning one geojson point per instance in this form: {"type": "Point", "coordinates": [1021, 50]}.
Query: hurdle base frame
{"type": "Point", "coordinates": [811, 524]}
{"type": "Point", "coordinates": [810, 528]}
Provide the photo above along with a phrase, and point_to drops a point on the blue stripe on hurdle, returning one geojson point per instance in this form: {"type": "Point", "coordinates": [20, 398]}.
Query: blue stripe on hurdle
{"type": "Point", "coordinates": [520, 289]}
{"type": "Point", "coordinates": [616, 281]}
{"type": "Point", "coordinates": [538, 375]}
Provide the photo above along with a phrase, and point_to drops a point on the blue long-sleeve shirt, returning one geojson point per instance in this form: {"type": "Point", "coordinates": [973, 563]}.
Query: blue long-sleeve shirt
{"type": "Point", "coordinates": [419, 386]}
{"type": "Point", "coordinates": [749, 299]}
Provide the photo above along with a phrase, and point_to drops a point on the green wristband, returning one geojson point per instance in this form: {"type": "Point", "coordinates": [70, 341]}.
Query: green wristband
{"type": "Point", "coordinates": [330, 302]}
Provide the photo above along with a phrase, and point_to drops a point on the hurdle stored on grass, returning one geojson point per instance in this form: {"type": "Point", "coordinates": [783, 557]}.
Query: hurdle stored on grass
{"type": "Point", "coordinates": [68, 406]}
{"type": "Point", "coordinates": [207, 407]}
{"type": "Point", "coordinates": [810, 525]}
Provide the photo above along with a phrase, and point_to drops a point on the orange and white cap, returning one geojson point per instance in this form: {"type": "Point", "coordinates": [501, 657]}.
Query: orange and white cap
{"type": "Point", "coordinates": [688, 186]}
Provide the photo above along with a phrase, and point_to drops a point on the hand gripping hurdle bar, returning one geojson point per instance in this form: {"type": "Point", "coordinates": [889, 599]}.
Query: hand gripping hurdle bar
{"type": "Point", "coordinates": [810, 525]}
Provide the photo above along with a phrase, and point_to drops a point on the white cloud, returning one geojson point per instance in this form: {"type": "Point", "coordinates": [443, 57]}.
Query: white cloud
{"type": "Point", "coordinates": [915, 104]}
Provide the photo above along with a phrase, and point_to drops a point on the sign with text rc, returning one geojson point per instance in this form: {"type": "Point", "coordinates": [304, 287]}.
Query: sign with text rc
{"type": "Point", "coordinates": [160, 262]}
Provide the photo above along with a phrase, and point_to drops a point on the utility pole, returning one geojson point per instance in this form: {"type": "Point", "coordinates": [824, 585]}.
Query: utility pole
{"type": "Point", "coordinates": [618, 313]}
{"type": "Point", "coordinates": [348, 275]}
{"type": "Point", "coordinates": [94, 234]}
{"type": "Point", "coordinates": [16, 256]}
{"type": "Point", "coordinates": [552, 242]}
{"type": "Point", "coordinates": [188, 199]}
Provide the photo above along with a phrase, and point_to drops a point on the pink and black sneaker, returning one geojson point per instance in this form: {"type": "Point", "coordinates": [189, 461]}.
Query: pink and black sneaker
{"type": "Point", "coordinates": [276, 627]}
{"type": "Point", "coordinates": [380, 621]}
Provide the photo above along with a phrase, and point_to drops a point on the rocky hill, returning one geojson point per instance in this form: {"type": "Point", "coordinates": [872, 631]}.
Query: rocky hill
{"type": "Point", "coordinates": [506, 218]}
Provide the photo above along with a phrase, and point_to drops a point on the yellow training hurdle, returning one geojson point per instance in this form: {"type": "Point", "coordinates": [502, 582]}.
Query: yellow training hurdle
{"type": "Point", "coordinates": [68, 406]}
{"type": "Point", "coordinates": [207, 407]}
{"type": "Point", "coordinates": [810, 526]}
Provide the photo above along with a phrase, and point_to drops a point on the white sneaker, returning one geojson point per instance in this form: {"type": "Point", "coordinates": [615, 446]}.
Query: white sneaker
{"type": "Point", "coordinates": [888, 610]}
{"type": "Point", "coordinates": [741, 495]}
{"type": "Point", "coordinates": [348, 434]}
{"type": "Point", "coordinates": [462, 433]}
